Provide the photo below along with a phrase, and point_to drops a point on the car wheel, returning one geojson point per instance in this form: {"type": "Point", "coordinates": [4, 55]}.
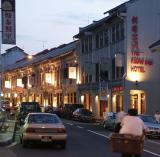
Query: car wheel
{"type": "Point", "coordinates": [20, 138]}
{"type": "Point", "coordinates": [63, 145]}
{"type": "Point", "coordinates": [24, 143]}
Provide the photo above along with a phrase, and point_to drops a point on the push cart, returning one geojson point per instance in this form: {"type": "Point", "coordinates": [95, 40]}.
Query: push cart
{"type": "Point", "coordinates": [127, 143]}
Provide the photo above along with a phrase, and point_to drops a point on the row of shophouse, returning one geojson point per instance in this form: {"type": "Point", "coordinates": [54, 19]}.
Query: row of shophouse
{"type": "Point", "coordinates": [113, 64]}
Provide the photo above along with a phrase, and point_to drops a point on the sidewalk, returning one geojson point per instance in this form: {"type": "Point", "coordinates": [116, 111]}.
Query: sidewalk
{"type": "Point", "coordinates": [7, 137]}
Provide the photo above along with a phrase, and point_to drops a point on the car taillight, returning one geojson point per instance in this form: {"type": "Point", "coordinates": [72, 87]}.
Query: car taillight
{"type": "Point", "coordinates": [61, 130]}
{"type": "Point", "coordinates": [30, 130]}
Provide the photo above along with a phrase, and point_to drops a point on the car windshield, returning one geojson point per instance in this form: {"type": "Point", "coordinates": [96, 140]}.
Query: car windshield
{"type": "Point", "coordinates": [43, 118]}
{"type": "Point", "coordinates": [29, 107]}
{"type": "Point", "coordinates": [112, 115]}
{"type": "Point", "coordinates": [86, 112]}
{"type": "Point", "coordinates": [148, 119]}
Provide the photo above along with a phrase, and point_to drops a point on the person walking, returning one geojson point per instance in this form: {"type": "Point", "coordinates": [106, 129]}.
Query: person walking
{"type": "Point", "coordinates": [132, 124]}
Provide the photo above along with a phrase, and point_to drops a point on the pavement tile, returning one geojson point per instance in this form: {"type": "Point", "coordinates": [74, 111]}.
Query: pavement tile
{"type": "Point", "coordinates": [6, 137]}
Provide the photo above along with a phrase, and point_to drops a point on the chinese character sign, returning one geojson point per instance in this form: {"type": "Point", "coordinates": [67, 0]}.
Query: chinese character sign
{"type": "Point", "coordinates": [8, 22]}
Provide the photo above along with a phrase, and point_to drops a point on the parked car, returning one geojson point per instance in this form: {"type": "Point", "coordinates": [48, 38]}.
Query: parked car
{"type": "Point", "coordinates": [25, 108]}
{"type": "Point", "coordinates": [5, 105]}
{"type": "Point", "coordinates": [109, 121]}
{"type": "Point", "coordinates": [51, 109]}
{"type": "Point", "coordinates": [43, 128]}
{"type": "Point", "coordinates": [82, 114]}
{"type": "Point", "coordinates": [68, 109]}
{"type": "Point", "coordinates": [153, 128]}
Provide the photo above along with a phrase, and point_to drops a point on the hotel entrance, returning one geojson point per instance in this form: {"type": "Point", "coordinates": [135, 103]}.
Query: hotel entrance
{"type": "Point", "coordinates": [138, 101]}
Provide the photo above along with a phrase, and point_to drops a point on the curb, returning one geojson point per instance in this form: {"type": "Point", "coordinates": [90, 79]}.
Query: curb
{"type": "Point", "coordinates": [9, 141]}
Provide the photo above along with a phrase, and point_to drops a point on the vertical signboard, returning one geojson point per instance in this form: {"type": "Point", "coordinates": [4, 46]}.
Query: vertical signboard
{"type": "Point", "coordinates": [8, 22]}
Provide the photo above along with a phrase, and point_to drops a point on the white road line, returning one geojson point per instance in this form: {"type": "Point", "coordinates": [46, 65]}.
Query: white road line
{"type": "Point", "coordinates": [145, 150]}
{"type": "Point", "coordinates": [11, 145]}
{"type": "Point", "coordinates": [153, 142]}
{"type": "Point", "coordinates": [69, 123]}
{"type": "Point", "coordinates": [155, 154]}
{"type": "Point", "coordinates": [79, 127]}
{"type": "Point", "coordinates": [98, 134]}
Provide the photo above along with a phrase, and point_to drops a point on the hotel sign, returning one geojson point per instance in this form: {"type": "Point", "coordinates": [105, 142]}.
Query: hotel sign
{"type": "Point", "coordinates": [8, 22]}
{"type": "Point", "coordinates": [138, 59]}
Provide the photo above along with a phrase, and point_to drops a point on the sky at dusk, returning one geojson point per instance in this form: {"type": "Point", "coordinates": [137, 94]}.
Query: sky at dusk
{"type": "Point", "coordinates": [44, 24]}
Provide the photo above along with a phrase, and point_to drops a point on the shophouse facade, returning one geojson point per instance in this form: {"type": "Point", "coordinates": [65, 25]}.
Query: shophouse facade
{"type": "Point", "coordinates": [113, 66]}
{"type": "Point", "coordinates": [49, 78]}
{"type": "Point", "coordinates": [118, 70]}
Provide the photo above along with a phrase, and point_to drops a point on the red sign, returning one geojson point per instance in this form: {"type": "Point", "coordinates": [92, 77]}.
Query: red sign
{"type": "Point", "coordinates": [117, 89]}
{"type": "Point", "coordinates": [138, 62]}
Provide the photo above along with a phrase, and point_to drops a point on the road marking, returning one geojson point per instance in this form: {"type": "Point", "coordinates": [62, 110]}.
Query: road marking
{"type": "Point", "coordinates": [69, 123]}
{"type": "Point", "coordinates": [153, 142]}
{"type": "Point", "coordinates": [145, 150]}
{"type": "Point", "coordinates": [11, 145]}
{"type": "Point", "coordinates": [98, 134]}
{"type": "Point", "coordinates": [79, 126]}
{"type": "Point", "coordinates": [155, 154]}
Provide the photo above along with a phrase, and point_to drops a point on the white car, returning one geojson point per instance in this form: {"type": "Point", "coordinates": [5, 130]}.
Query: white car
{"type": "Point", "coordinates": [153, 128]}
{"type": "Point", "coordinates": [43, 128]}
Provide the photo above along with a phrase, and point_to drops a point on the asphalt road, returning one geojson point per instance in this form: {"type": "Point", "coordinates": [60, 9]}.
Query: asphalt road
{"type": "Point", "coordinates": [85, 140]}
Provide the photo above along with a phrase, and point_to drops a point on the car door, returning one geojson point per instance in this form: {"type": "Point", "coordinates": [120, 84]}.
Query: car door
{"type": "Point", "coordinates": [111, 122]}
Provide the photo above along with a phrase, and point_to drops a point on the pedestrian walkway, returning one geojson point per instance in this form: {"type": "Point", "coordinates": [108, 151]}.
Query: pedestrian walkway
{"type": "Point", "coordinates": [7, 137]}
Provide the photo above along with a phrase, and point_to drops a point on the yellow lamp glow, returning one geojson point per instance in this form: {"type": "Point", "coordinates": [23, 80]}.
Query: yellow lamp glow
{"type": "Point", "coordinates": [133, 77]}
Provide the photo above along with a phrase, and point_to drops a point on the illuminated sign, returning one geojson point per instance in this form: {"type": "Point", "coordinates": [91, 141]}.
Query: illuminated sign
{"type": "Point", "coordinates": [117, 89]}
{"type": "Point", "coordinates": [72, 72]}
{"type": "Point", "coordinates": [138, 60]}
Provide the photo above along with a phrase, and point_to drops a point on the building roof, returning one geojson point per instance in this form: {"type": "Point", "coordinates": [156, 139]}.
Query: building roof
{"type": "Point", "coordinates": [112, 14]}
{"type": "Point", "coordinates": [13, 49]}
{"type": "Point", "coordinates": [92, 26]}
{"type": "Point", "coordinates": [44, 55]}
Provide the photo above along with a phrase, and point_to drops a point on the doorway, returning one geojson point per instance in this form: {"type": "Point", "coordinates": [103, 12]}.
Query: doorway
{"type": "Point", "coordinates": [138, 101]}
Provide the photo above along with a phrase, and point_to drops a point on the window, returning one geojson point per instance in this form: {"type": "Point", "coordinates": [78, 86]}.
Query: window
{"type": "Point", "coordinates": [119, 72]}
{"type": "Point", "coordinates": [106, 37]}
{"type": "Point", "coordinates": [97, 72]}
{"type": "Point", "coordinates": [113, 34]}
{"type": "Point", "coordinates": [101, 39]}
{"type": "Point", "coordinates": [104, 75]}
{"type": "Point", "coordinates": [97, 41]}
{"type": "Point", "coordinates": [87, 44]}
{"type": "Point", "coordinates": [117, 32]}
{"type": "Point", "coordinates": [121, 31]}
{"type": "Point", "coordinates": [113, 68]}
{"type": "Point", "coordinates": [90, 43]}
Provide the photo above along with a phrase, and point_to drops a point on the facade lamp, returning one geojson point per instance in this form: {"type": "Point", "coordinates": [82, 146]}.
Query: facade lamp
{"type": "Point", "coordinates": [29, 57]}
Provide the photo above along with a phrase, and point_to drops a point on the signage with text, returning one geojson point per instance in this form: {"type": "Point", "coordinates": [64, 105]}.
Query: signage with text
{"type": "Point", "coordinates": [8, 22]}
{"type": "Point", "coordinates": [137, 59]}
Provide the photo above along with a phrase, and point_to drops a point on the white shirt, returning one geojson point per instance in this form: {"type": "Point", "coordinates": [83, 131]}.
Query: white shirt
{"type": "Point", "coordinates": [132, 125]}
{"type": "Point", "coordinates": [120, 116]}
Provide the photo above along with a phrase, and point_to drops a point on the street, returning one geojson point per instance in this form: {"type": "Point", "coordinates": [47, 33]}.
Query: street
{"type": "Point", "coordinates": [83, 140]}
